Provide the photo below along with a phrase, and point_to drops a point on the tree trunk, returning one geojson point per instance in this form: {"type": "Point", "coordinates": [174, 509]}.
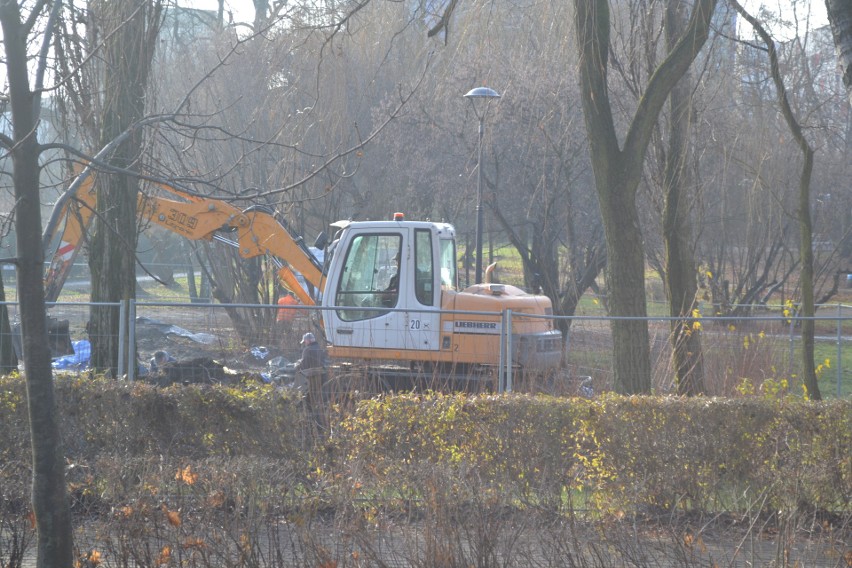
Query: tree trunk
{"type": "Point", "coordinates": [50, 503]}
{"type": "Point", "coordinates": [191, 284]}
{"type": "Point", "coordinates": [49, 500]}
{"type": "Point", "coordinates": [680, 273]}
{"type": "Point", "coordinates": [261, 12]}
{"type": "Point", "coordinates": [618, 173]}
{"type": "Point", "coordinates": [806, 251]}
{"type": "Point", "coordinates": [808, 310]}
{"type": "Point", "coordinates": [840, 18]}
{"type": "Point", "coordinates": [625, 274]}
{"type": "Point", "coordinates": [112, 258]}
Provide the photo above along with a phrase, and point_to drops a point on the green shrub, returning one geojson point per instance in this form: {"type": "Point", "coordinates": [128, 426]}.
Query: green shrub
{"type": "Point", "coordinates": [612, 454]}
{"type": "Point", "coordinates": [100, 417]}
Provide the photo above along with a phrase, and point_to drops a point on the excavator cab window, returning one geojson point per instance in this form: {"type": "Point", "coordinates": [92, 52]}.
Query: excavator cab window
{"type": "Point", "coordinates": [448, 265]}
{"type": "Point", "coordinates": [423, 267]}
{"type": "Point", "coordinates": [370, 276]}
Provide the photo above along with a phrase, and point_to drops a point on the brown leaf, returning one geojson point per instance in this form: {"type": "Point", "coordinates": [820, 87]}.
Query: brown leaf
{"type": "Point", "coordinates": [172, 516]}
{"type": "Point", "coordinates": [216, 499]}
{"type": "Point", "coordinates": [187, 475]}
{"type": "Point", "coordinates": [193, 542]}
{"type": "Point", "coordinates": [165, 556]}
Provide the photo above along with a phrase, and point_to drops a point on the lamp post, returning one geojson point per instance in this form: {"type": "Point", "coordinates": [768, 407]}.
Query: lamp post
{"type": "Point", "coordinates": [479, 99]}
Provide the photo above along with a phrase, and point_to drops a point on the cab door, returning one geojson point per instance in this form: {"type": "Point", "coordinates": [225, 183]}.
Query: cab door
{"type": "Point", "coordinates": [385, 290]}
{"type": "Point", "coordinates": [424, 296]}
{"type": "Point", "coordinates": [363, 291]}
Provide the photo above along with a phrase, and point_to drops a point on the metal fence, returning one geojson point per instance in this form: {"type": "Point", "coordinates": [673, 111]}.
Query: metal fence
{"type": "Point", "coordinates": [738, 352]}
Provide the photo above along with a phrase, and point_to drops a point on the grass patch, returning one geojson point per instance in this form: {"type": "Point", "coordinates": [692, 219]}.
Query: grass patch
{"type": "Point", "coordinates": [827, 375]}
{"type": "Point", "coordinates": [153, 291]}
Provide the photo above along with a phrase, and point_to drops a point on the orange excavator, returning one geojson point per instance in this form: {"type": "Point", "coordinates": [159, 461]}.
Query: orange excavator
{"type": "Point", "coordinates": [389, 289]}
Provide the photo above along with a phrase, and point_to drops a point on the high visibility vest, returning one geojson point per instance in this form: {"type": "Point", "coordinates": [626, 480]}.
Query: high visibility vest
{"type": "Point", "coordinates": [284, 313]}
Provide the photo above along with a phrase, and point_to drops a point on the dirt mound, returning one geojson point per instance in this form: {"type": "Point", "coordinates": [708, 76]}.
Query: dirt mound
{"type": "Point", "coordinates": [200, 370]}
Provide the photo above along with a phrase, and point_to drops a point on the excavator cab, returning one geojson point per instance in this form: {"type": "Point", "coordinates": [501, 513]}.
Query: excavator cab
{"type": "Point", "coordinates": [391, 294]}
{"type": "Point", "coordinates": [385, 282]}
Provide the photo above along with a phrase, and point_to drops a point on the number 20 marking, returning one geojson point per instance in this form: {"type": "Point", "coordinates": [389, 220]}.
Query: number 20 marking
{"type": "Point", "coordinates": [414, 325]}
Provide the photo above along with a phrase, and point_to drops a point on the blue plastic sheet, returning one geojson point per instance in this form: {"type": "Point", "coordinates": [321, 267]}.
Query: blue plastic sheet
{"type": "Point", "coordinates": [260, 352]}
{"type": "Point", "coordinates": [80, 358]}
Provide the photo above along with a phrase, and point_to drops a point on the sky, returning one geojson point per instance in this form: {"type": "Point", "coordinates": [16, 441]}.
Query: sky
{"type": "Point", "coordinates": [812, 10]}
{"type": "Point", "coordinates": [244, 12]}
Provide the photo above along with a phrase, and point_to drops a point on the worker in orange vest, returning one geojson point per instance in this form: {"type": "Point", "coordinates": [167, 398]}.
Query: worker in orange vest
{"type": "Point", "coordinates": [286, 314]}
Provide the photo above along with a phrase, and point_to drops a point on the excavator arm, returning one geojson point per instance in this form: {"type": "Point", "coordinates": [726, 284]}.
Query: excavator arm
{"type": "Point", "coordinates": [254, 232]}
{"type": "Point", "coordinates": [257, 233]}
{"type": "Point", "coordinates": [70, 223]}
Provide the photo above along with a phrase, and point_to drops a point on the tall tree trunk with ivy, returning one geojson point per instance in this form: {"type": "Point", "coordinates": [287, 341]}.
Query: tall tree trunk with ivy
{"type": "Point", "coordinates": [130, 29]}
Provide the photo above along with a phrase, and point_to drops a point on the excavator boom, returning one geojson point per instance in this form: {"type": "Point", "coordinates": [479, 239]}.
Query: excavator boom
{"type": "Point", "coordinates": [73, 213]}
{"type": "Point", "coordinates": [254, 232]}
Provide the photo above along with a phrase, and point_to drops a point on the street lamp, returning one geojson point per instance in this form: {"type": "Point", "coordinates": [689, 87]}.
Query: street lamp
{"type": "Point", "coordinates": [480, 98]}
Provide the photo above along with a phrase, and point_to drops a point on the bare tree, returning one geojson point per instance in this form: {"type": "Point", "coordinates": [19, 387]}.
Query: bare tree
{"type": "Point", "coordinates": [49, 499]}
{"type": "Point", "coordinates": [747, 251]}
{"type": "Point", "coordinates": [749, 241]}
{"type": "Point", "coordinates": [278, 128]}
{"type": "Point", "coordinates": [538, 193]}
{"type": "Point", "coordinates": [131, 30]}
{"type": "Point", "coordinates": [681, 280]}
{"type": "Point", "coordinates": [840, 18]}
{"type": "Point", "coordinates": [618, 172]}
{"type": "Point", "coordinates": [804, 213]}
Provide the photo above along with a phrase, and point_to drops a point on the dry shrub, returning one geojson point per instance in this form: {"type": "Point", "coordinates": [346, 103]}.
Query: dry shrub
{"type": "Point", "coordinates": [580, 483]}
{"type": "Point", "coordinates": [216, 511]}
{"type": "Point", "coordinates": [740, 353]}
{"type": "Point", "coordinates": [723, 455]}
{"type": "Point", "coordinates": [619, 454]}
{"type": "Point", "coordinates": [101, 416]}
{"type": "Point", "coordinates": [219, 476]}
{"type": "Point", "coordinates": [17, 532]}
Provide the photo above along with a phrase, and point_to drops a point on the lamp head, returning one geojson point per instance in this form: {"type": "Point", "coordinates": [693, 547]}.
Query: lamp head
{"type": "Point", "coordinates": [479, 98]}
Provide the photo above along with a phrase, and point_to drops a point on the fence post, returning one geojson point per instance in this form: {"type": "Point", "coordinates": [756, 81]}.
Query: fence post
{"type": "Point", "coordinates": [792, 345]}
{"type": "Point", "coordinates": [839, 347]}
{"type": "Point", "coordinates": [133, 367]}
{"type": "Point", "coordinates": [122, 342]}
{"type": "Point", "coordinates": [501, 367]}
{"type": "Point", "coordinates": [509, 346]}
